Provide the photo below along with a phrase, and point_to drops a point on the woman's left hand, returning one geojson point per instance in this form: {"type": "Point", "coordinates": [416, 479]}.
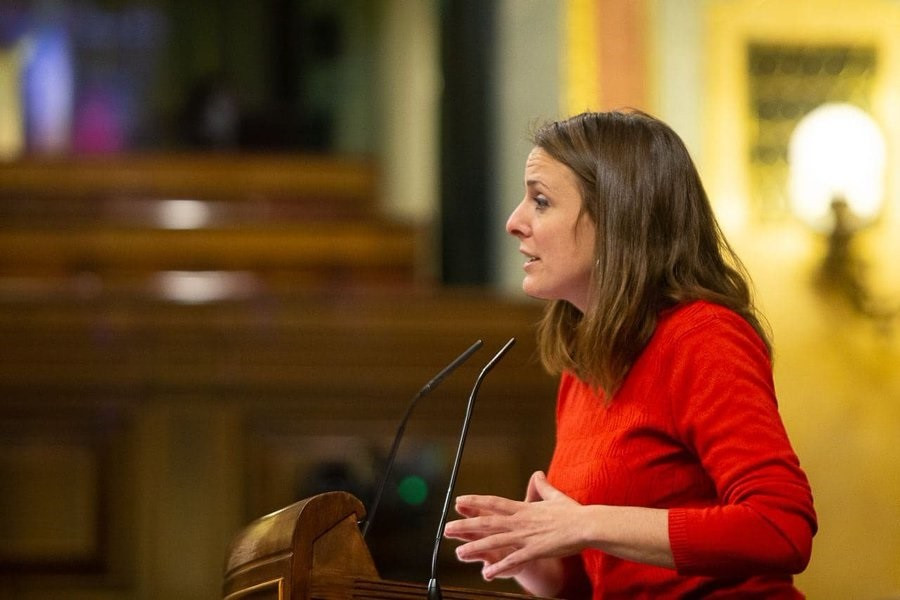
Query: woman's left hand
{"type": "Point", "coordinates": [505, 535]}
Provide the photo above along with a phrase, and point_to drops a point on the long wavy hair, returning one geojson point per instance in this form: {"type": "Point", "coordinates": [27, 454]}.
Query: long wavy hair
{"type": "Point", "coordinates": [657, 244]}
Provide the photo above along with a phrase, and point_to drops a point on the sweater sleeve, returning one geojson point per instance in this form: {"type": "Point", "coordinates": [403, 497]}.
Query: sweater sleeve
{"type": "Point", "coordinates": [724, 409]}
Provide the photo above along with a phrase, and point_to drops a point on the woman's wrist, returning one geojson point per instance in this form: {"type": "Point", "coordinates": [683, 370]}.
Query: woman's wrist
{"type": "Point", "coordinates": [633, 533]}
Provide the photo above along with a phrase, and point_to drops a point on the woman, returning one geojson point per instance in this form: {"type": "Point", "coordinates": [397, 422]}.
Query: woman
{"type": "Point", "coordinates": [672, 475]}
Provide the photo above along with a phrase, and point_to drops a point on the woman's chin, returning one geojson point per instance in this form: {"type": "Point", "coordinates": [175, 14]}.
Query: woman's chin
{"type": "Point", "coordinates": [533, 291]}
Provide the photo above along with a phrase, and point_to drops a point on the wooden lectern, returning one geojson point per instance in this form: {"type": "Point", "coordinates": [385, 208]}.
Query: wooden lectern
{"type": "Point", "coordinates": [313, 550]}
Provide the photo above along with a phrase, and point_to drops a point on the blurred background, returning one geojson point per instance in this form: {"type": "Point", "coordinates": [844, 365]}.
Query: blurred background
{"type": "Point", "coordinates": [237, 237]}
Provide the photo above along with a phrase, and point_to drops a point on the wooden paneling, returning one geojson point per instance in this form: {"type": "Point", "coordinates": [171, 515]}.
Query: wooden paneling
{"type": "Point", "coordinates": [377, 343]}
{"type": "Point", "coordinates": [50, 505]}
{"type": "Point", "coordinates": [66, 488]}
{"type": "Point", "coordinates": [240, 407]}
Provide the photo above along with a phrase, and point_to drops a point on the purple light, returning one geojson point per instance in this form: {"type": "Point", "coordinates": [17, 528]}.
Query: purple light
{"type": "Point", "coordinates": [49, 91]}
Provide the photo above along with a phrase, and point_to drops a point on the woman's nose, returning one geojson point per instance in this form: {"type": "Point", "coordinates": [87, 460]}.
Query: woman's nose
{"type": "Point", "coordinates": [515, 224]}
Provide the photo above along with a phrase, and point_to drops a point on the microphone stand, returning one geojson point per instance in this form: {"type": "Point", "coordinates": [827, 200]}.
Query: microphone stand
{"type": "Point", "coordinates": [434, 588]}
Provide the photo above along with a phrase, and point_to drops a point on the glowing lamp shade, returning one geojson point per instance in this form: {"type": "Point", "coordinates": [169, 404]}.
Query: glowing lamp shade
{"type": "Point", "coordinates": [837, 151]}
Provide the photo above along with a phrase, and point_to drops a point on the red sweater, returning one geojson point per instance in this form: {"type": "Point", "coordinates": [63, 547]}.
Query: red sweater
{"type": "Point", "coordinates": [694, 428]}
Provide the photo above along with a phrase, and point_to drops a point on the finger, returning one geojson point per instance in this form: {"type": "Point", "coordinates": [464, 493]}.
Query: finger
{"type": "Point", "coordinates": [465, 510]}
{"type": "Point", "coordinates": [544, 488]}
{"type": "Point", "coordinates": [459, 530]}
{"type": "Point", "coordinates": [462, 537]}
{"type": "Point", "coordinates": [488, 557]}
{"type": "Point", "coordinates": [532, 494]}
{"type": "Point", "coordinates": [488, 545]}
{"type": "Point", "coordinates": [475, 505]}
{"type": "Point", "coordinates": [508, 566]}
{"type": "Point", "coordinates": [476, 527]}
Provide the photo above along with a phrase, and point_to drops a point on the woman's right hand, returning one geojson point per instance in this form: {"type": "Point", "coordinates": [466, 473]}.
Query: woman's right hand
{"type": "Point", "coordinates": [541, 575]}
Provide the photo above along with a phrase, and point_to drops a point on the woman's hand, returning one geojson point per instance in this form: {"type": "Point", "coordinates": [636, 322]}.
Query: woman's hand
{"type": "Point", "coordinates": [508, 536]}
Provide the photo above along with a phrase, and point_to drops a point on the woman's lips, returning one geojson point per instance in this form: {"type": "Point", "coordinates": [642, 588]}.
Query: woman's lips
{"type": "Point", "coordinates": [530, 258]}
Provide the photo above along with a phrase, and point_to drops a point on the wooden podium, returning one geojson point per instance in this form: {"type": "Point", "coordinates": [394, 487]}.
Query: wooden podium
{"type": "Point", "coordinates": [313, 550]}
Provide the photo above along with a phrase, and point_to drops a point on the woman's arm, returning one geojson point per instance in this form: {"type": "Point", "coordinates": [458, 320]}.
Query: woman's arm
{"type": "Point", "coordinates": [723, 406]}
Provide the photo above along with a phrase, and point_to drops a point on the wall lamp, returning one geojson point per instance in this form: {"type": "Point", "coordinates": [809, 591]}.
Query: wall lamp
{"type": "Point", "coordinates": [837, 157]}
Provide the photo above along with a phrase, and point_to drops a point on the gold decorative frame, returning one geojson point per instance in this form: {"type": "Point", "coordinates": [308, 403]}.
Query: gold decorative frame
{"type": "Point", "coordinates": [732, 25]}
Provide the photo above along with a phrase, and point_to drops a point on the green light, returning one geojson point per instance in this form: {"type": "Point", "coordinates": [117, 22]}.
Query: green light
{"type": "Point", "coordinates": [413, 490]}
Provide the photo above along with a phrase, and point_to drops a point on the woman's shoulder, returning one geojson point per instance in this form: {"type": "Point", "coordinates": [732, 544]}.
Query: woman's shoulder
{"type": "Point", "coordinates": [703, 318]}
{"type": "Point", "coordinates": [697, 313]}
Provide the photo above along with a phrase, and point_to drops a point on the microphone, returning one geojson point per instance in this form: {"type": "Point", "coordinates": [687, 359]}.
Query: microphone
{"type": "Point", "coordinates": [434, 588]}
{"type": "Point", "coordinates": [392, 455]}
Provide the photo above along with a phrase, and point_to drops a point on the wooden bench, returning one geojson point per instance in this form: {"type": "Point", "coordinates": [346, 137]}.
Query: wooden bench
{"type": "Point", "coordinates": [306, 221]}
{"type": "Point", "coordinates": [321, 186]}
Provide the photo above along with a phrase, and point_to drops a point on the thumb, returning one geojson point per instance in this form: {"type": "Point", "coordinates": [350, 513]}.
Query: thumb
{"type": "Point", "coordinates": [539, 488]}
{"type": "Point", "coordinates": [532, 494]}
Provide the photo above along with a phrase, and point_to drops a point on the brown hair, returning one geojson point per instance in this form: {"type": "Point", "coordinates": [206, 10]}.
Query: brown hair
{"type": "Point", "coordinates": [657, 245]}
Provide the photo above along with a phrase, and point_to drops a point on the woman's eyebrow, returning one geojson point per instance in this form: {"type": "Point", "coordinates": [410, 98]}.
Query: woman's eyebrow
{"type": "Point", "coordinates": [537, 182]}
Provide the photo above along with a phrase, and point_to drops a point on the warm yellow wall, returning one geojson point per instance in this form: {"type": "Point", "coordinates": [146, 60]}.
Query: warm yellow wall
{"type": "Point", "coordinates": [839, 392]}
{"type": "Point", "coordinates": [580, 60]}
{"type": "Point", "coordinates": [838, 377]}
{"type": "Point", "coordinates": [604, 63]}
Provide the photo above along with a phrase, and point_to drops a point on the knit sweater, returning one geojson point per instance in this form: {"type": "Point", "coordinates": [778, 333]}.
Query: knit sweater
{"type": "Point", "coordinates": [695, 429]}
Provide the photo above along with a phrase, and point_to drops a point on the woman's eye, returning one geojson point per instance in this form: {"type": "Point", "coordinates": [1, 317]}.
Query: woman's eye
{"type": "Point", "coordinates": [541, 202]}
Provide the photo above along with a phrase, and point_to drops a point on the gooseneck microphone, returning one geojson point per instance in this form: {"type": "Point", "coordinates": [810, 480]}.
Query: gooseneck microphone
{"type": "Point", "coordinates": [434, 588]}
{"type": "Point", "coordinates": [392, 455]}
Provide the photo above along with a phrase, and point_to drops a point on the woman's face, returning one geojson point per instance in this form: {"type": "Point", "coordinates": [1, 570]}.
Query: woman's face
{"type": "Point", "coordinates": [558, 245]}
